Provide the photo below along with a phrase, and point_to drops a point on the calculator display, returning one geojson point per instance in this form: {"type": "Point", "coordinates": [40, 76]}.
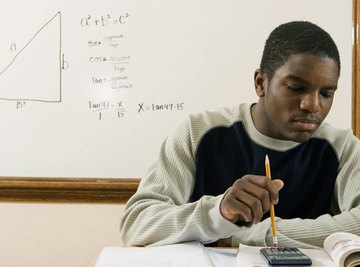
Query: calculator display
{"type": "Point", "coordinates": [285, 256]}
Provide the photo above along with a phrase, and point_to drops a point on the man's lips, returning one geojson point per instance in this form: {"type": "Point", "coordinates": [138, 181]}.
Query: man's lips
{"type": "Point", "coordinates": [306, 124]}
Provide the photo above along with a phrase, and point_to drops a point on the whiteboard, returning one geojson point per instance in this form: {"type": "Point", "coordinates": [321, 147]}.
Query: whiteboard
{"type": "Point", "coordinates": [91, 88]}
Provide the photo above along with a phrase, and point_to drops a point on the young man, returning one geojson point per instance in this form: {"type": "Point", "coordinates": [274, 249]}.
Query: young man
{"type": "Point", "coordinates": [209, 181]}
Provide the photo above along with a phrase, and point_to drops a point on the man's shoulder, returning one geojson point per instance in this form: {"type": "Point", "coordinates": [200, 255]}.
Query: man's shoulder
{"type": "Point", "coordinates": [331, 132]}
{"type": "Point", "coordinates": [338, 138]}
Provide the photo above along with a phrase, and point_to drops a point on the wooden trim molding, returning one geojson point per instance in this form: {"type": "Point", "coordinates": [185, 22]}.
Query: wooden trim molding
{"type": "Point", "coordinates": [102, 190]}
{"type": "Point", "coordinates": [356, 70]}
{"type": "Point", "coordinates": [116, 190]}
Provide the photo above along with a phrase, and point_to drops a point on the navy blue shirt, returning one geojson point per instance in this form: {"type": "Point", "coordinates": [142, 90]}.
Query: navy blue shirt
{"type": "Point", "coordinates": [308, 170]}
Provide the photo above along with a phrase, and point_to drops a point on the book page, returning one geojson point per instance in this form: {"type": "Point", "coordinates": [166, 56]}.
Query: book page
{"type": "Point", "coordinates": [250, 257]}
{"type": "Point", "coordinates": [222, 257]}
{"type": "Point", "coordinates": [340, 245]}
{"type": "Point", "coordinates": [352, 260]}
{"type": "Point", "coordinates": [192, 254]}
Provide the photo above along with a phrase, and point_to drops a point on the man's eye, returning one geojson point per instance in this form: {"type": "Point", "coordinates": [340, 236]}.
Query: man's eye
{"type": "Point", "coordinates": [295, 88]}
{"type": "Point", "coordinates": [327, 94]}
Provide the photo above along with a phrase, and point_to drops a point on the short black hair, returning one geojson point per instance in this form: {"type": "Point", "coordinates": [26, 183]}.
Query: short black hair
{"type": "Point", "coordinates": [296, 37]}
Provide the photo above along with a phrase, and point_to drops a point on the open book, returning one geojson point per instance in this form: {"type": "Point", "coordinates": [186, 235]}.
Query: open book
{"type": "Point", "coordinates": [340, 250]}
{"type": "Point", "coordinates": [344, 249]}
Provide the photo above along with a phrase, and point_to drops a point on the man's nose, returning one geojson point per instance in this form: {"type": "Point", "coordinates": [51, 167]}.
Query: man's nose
{"type": "Point", "coordinates": [311, 102]}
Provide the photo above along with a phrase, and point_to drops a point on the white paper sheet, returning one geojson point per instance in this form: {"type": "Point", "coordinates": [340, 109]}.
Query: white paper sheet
{"type": "Point", "coordinates": [223, 257]}
{"type": "Point", "coordinates": [190, 254]}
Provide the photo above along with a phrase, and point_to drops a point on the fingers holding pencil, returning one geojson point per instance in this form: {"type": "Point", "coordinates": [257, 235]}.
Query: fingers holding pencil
{"type": "Point", "coordinates": [249, 198]}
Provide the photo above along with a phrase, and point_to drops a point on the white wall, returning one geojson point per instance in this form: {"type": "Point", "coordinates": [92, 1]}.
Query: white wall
{"type": "Point", "coordinates": [56, 235]}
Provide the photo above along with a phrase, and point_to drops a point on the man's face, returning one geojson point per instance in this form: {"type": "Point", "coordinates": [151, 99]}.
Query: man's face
{"type": "Point", "coordinates": [297, 99]}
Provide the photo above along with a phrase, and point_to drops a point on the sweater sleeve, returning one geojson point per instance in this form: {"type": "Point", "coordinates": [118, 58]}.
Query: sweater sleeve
{"type": "Point", "coordinates": [160, 213]}
{"type": "Point", "coordinates": [310, 233]}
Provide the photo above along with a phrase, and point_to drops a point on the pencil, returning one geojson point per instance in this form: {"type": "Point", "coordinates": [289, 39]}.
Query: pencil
{"type": "Point", "coordinates": [272, 210]}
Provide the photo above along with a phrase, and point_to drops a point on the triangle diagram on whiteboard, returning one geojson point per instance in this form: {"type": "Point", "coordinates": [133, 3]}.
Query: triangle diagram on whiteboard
{"type": "Point", "coordinates": [34, 73]}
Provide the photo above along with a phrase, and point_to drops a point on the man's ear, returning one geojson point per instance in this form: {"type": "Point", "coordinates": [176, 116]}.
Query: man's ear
{"type": "Point", "coordinates": [260, 80]}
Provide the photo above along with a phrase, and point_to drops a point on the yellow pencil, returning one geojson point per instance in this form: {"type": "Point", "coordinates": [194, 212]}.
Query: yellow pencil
{"type": "Point", "coordinates": [272, 210]}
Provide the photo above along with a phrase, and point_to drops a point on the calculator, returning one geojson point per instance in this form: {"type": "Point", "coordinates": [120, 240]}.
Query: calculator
{"type": "Point", "coordinates": [285, 256]}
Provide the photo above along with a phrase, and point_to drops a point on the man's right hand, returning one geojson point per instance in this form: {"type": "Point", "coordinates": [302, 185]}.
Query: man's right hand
{"type": "Point", "coordinates": [249, 198]}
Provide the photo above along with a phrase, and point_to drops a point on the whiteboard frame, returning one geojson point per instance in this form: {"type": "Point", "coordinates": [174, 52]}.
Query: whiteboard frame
{"type": "Point", "coordinates": [119, 190]}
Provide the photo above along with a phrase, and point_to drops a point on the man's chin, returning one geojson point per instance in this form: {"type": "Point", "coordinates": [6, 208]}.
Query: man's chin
{"type": "Point", "coordinates": [300, 137]}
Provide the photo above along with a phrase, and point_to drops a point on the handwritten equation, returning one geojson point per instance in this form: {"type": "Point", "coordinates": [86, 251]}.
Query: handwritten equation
{"type": "Point", "coordinates": [110, 68]}
{"type": "Point", "coordinates": [119, 109]}
{"type": "Point", "coordinates": [104, 20]}
{"type": "Point", "coordinates": [106, 60]}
